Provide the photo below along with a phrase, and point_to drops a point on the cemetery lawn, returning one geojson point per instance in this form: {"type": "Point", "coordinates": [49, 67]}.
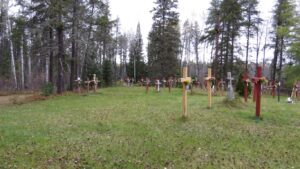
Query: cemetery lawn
{"type": "Point", "coordinates": [126, 128]}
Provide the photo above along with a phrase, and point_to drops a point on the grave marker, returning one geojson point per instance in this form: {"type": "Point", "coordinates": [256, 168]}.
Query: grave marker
{"type": "Point", "coordinates": [230, 92]}
{"type": "Point", "coordinates": [208, 79]}
{"type": "Point", "coordinates": [185, 80]}
{"type": "Point", "coordinates": [78, 84]}
{"type": "Point", "coordinates": [257, 80]}
{"type": "Point", "coordinates": [157, 85]}
{"type": "Point", "coordinates": [170, 83]}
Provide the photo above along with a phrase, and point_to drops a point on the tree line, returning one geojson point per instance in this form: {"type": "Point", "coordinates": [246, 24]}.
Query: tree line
{"type": "Point", "coordinates": [57, 41]}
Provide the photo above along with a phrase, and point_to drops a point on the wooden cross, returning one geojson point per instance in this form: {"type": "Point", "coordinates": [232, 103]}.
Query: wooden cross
{"type": "Point", "coordinates": [273, 88]}
{"type": "Point", "coordinates": [87, 82]}
{"type": "Point", "coordinates": [209, 78]}
{"type": "Point", "coordinates": [246, 81]}
{"type": "Point", "coordinates": [257, 80]}
{"type": "Point", "coordinates": [185, 80]}
{"type": "Point", "coordinates": [147, 84]}
{"type": "Point", "coordinates": [170, 83]}
{"type": "Point", "coordinates": [221, 85]}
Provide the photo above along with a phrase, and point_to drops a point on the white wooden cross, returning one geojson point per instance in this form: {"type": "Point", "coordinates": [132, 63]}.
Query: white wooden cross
{"type": "Point", "coordinates": [157, 83]}
{"type": "Point", "coordinates": [184, 80]}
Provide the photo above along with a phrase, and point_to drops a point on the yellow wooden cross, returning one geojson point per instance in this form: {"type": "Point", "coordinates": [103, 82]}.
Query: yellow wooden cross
{"type": "Point", "coordinates": [185, 81]}
{"type": "Point", "coordinates": [209, 78]}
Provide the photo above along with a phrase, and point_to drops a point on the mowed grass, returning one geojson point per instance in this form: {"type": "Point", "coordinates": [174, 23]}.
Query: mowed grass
{"type": "Point", "coordinates": [127, 128]}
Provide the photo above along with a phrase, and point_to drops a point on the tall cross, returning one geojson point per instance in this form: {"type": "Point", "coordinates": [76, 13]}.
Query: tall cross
{"type": "Point", "coordinates": [185, 80]}
{"type": "Point", "coordinates": [257, 80]}
{"type": "Point", "coordinates": [246, 81]}
{"type": "Point", "coordinates": [147, 84]}
{"type": "Point", "coordinates": [230, 92]}
{"type": "Point", "coordinates": [95, 81]}
{"type": "Point", "coordinates": [209, 78]}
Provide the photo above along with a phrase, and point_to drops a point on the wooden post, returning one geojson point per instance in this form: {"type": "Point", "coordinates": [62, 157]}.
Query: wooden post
{"type": "Point", "coordinates": [209, 78]}
{"type": "Point", "coordinates": [88, 84]}
{"type": "Point", "coordinates": [273, 88]}
{"type": "Point", "coordinates": [185, 80]}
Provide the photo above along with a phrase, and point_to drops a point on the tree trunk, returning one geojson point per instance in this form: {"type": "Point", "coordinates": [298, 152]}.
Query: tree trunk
{"type": "Point", "coordinates": [74, 49]}
{"type": "Point", "coordinates": [274, 62]}
{"type": "Point", "coordinates": [60, 60]}
{"type": "Point", "coordinates": [22, 63]}
{"type": "Point", "coordinates": [280, 66]}
{"type": "Point", "coordinates": [12, 57]}
{"type": "Point", "coordinates": [51, 58]}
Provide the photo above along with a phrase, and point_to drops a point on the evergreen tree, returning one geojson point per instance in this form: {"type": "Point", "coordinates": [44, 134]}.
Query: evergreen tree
{"type": "Point", "coordinates": [136, 66]}
{"type": "Point", "coordinates": [164, 40]}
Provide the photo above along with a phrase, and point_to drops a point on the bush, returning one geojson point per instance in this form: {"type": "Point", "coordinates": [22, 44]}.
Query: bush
{"type": "Point", "coordinates": [47, 89]}
{"type": "Point", "coordinates": [240, 86]}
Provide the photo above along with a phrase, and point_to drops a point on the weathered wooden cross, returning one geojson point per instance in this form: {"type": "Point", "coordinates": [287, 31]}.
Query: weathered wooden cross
{"type": "Point", "coordinates": [257, 81]}
{"type": "Point", "coordinates": [147, 84]}
{"type": "Point", "coordinates": [87, 82]}
{"type": "Point", "coordinates": [95, 81]}
{"type": "Point", "coordinates": [208, 79]}
{"type": "Point", "coordinates": [273, 88]}
{"type": "Point", "coordinates": [246, 81]}
{"type": "Point", "coordinates": [185, 80]}
{"type": "Point", "coordinates": [230, 93]}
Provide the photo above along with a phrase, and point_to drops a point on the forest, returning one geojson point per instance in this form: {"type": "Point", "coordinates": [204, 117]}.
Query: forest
{"type": "Point", "coordinates": [58, 41]}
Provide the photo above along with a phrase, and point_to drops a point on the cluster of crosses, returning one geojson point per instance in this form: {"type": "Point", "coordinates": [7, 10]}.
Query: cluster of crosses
{"type": "Point", "coordinates": [157, 83]}
{"type": "Point", "coordinates": [257, 80]}
{"type": "Point", "coordinates": [94, 82]}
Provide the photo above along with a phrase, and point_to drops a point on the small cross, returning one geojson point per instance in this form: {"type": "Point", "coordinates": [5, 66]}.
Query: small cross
{"type": "Point", "coordinates": [185, 80]}
{"type": "Point", "coordinates": [209, 78]}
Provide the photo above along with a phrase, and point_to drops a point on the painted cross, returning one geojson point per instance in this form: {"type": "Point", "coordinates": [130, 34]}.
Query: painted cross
{"type": "Point", "coordinates": [147, 84]}
{"type": "Point", "coordinates": [209, 79]}
{"type": "Point", "coordinates": [257, 80]}
{"type": "Point", "coordinates": [185, 80]}
{"type": "Point", "coordinates": [246, 81]}
{"type": "Point", "coordinates": [230, 92]}
{"type": "Point", "coordinates": [157, 84]}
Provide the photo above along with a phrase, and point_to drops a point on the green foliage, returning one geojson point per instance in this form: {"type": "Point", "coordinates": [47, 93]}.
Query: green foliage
{"type": "Point", "coordinates": [107, 73]}
{"type": "Point", "coordinates": [47, 89]}
{"type": "Point", "coordinates": [240, 86]}
{"type": "Point", "coordinates": [164, 40]}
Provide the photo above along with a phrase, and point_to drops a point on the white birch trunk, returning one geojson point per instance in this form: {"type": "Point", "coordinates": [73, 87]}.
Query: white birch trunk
{"type": "Point", "coordinates": [13, 66]}
{"type": "Point", "coordinates": [22, 63]}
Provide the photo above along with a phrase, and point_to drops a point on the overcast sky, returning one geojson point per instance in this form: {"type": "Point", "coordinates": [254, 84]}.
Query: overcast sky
{"type": "Point", "coordinates": [131, 12]}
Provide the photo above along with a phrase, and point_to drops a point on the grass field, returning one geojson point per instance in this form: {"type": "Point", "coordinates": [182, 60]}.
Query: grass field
{"type": "Point", "coordinates": [126, 128]}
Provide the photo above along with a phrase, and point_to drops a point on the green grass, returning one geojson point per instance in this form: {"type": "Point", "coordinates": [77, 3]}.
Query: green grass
{"type": "Point", "coordinates": [126, 128]}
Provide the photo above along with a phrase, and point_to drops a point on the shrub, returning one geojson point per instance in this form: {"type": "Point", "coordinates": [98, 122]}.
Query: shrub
{"type": "Point", "coordinates": [47, 89]}
{"type": "Point", "coordinates": [240, 86]}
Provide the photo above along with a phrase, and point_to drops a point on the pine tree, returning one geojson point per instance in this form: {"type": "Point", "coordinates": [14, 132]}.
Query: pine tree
{"type": "Point", "coordinates": [164, 40]}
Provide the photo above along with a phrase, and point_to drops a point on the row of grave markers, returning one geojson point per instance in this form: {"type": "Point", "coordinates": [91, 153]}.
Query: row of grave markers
{"type": "Point", "coordinates": [257, 80]}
